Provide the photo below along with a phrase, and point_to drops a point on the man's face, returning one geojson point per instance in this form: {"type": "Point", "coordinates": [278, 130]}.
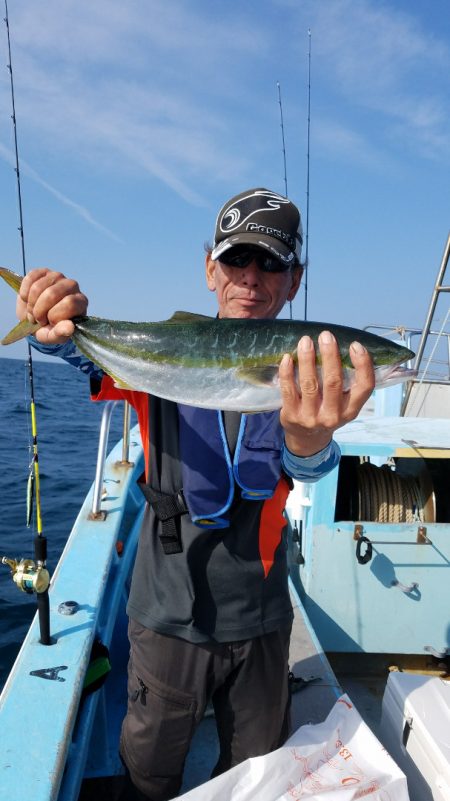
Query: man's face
{"type": "Point", "coordinates": [248, 292]}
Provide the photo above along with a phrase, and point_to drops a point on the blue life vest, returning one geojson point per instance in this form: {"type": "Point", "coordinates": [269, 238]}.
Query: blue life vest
{"type": "Point", "coordinates": [209, 474]}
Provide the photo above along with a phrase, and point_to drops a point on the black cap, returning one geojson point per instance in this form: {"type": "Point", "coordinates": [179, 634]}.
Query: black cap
{"type": "Point", "coordinates": [263, 219]}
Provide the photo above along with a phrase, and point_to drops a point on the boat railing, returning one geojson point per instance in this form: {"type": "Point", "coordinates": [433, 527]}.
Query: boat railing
{"type": "Point", "coordinates": [96, 512]}
{"type": "Point", "coordinates": [436, 366]}
{"type": "Point", "coordinates": [439, 291]}
{"type": "Point", "coordinates": [432, 359]}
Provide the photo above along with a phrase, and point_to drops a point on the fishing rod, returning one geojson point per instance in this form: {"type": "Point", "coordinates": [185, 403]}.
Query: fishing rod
{"type": "Point", "coordinates": [306, 261]}
{"type": "Point", "coordinates": [28, 575]}
{"type": "Point", "coordinates": [306, 264]}
{"type": "Point", "coordinates": [284, 161]}
{"type": "Point", "coordinates": [282, 139]}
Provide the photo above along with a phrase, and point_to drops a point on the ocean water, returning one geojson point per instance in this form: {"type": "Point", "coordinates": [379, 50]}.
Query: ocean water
{"type": "Point", "coordinates": [68, 424]}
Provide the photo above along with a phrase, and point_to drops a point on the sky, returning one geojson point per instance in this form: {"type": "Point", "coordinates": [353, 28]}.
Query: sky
{"type": "Point", "coordinates": [137, 120]}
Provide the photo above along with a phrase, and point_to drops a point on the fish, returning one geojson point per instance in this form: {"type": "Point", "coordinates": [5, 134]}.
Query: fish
{"type": "Point", "coordinates": [226, 364]}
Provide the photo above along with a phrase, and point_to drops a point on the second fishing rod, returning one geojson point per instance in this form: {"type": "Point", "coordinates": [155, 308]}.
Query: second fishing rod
{"type": "Point", "coordinates": [30, 576]}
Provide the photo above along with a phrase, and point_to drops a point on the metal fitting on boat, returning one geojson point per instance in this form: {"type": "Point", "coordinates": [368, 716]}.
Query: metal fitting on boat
{"type": "Point", "coordinates": [68, 607]}
{"type": "Point", "coordinates": [363, 556]}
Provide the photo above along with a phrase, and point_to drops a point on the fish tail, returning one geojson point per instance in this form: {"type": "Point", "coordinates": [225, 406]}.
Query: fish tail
{"type": "Point", "coordinates": [20, 331]}
{"type": "Point", "coordinates": [25, 328]}
{"type": "Point", "coordinates": [11, 278]}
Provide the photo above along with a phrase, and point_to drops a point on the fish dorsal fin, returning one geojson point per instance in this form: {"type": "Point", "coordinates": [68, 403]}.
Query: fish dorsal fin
{"type": "Point", "coordinates": [21, 330]}
{"type": "Point", "coordinates": [259, 376]}
{"type": "Point", "coordinates": [188, 317]}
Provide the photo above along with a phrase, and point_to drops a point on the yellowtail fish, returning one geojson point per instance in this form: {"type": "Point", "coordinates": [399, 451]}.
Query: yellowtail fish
{"type": "Point", "coordinates": [229, 364]}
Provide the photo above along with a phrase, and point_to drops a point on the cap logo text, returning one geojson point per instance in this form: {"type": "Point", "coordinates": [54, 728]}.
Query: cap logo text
{"type": "Point", "coordinates": [242, 210]}
{"type": "Point", "coordinates": [276, 232]}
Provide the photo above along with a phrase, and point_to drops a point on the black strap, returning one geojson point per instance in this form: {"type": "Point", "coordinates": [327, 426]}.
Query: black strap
{"type": "Point", "coordinates": [163, 487]}
{"type": "Point", "coordinates": [167, 508]}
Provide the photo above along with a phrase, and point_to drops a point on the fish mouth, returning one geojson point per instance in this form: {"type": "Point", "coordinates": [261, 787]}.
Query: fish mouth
{"type": "Point", "coordinates": [390, 374]}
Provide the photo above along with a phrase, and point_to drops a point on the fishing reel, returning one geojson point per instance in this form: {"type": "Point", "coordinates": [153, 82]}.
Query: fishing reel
{"type": "Point", "coordinates": [28, 575]}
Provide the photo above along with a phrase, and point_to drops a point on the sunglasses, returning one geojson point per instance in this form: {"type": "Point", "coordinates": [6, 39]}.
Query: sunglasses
{"type": "Point", "coordinates": [242, 256]}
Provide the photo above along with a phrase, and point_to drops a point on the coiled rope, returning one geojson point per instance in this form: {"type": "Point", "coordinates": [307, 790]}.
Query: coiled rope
{"type": "Point", "coordinates": [387, 497]}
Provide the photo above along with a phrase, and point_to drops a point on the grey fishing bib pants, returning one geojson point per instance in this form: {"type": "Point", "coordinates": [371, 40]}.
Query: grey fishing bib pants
{"type": "Point", "coordinates": [170, 683]}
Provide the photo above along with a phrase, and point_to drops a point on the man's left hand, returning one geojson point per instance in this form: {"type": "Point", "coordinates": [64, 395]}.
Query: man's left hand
{"type": "Point", "coordinates": [312, 410]}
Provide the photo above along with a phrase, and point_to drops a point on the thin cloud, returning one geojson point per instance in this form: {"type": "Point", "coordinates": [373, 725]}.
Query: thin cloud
{"type": "Point", "coordinates": [150, 87]}
{"type": "Point", "coordinates": [135, 86]}
{"type": "Point", "coordinates": [378, 61]}
{"type": "Point", "coordinates": [81, 211]}
{"type": "Point", "coordinates": [375, 58]}
{"type": "Point", "coordinates": [342, 142]}
{"type": "Point", "coordinates": [116, 34]}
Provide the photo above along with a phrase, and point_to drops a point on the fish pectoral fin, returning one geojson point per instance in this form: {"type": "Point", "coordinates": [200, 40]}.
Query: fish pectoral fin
{"type": "Point", "coordinates": [21, 330]}
{"type": "Point", "coordinates": [11, 278]}
{"type": "Point", "coordinates": [119, 383]}
{"type": "Point", "coordinates": [258, 376]}
{"type": "Point", "coordinates": [187, 317]}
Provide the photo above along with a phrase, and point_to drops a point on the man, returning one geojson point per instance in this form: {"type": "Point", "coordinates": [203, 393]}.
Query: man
{"type": "Point", "coordinates": [210, 614]}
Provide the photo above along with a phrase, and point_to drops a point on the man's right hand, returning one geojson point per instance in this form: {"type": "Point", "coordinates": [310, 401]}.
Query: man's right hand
{"type": "Point", "coordinates": [49, 298]}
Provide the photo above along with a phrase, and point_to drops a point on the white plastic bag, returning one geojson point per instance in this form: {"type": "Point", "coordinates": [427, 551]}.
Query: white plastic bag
{"type": "Point", "coordinates": [337, 760]}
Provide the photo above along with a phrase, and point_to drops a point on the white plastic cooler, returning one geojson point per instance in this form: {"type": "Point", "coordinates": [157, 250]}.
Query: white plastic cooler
{"type": "Point", "coordinates": [415, 729]}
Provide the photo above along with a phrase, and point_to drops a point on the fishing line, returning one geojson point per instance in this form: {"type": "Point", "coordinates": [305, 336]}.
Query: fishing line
{"type": "Point", "coordinates": [30, 577]}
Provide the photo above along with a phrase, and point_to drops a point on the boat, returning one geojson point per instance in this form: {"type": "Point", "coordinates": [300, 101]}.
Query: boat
{"type": "Point", "coordinates": [369, 553]}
